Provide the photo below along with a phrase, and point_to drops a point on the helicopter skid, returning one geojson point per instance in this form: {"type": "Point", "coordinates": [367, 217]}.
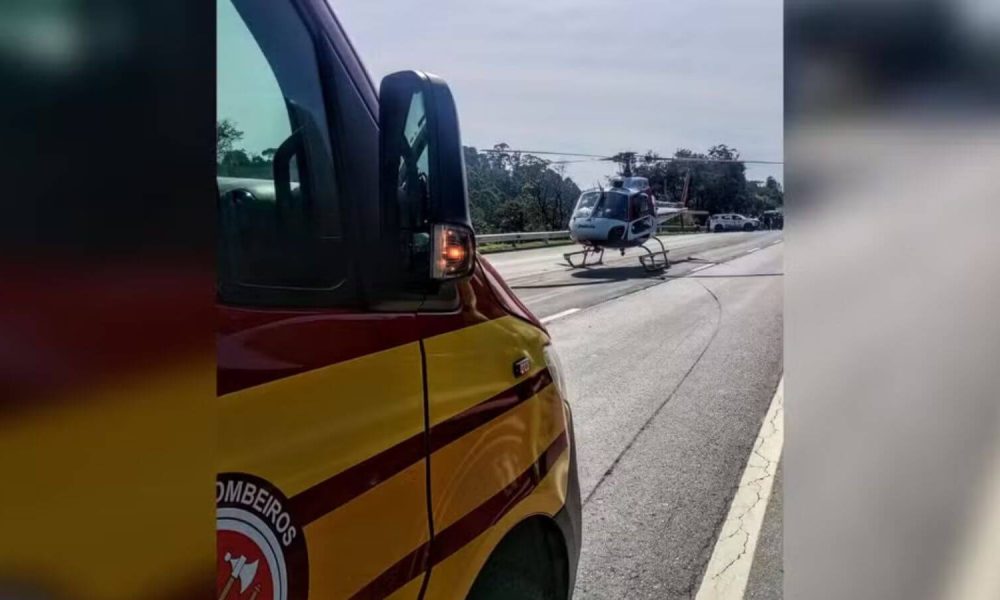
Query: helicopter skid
{"type": "Point", "coordinates": [654, 260]}
{"type": "Point", "coordinates": [586, 252]}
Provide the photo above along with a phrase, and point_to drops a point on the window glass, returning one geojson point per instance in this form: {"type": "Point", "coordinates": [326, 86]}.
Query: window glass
{"type": "Point", "coordinates": [252, 120]}
{"type": "Point", "coordinates": [635, 207]}
{"type": "Point", "coordinates": [614, 206]}
{"type": "Point", "coordinates": [642, 207]}
{"type": "Point", "coordinates": [279, 223]}
{"type": "Point", "coordinates": [589, 199]}
{"type": "Point", "coordinates": [586, 204]}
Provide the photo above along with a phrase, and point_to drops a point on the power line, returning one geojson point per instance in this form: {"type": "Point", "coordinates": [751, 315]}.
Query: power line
{"type": "Point", "coordinates": [571, 162]}
{"type": "Point", "coordinates": [643, 158]}
{"type": "Point", "coordinates": [546, 152]}
{"type": "Point", "coordinates": [720, 160]}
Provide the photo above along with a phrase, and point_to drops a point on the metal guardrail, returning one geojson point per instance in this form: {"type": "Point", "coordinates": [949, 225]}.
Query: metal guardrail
{"type": "Point", "coordinates": [679, 228]}
{"type": "Point", "coordinates": [522, 236]}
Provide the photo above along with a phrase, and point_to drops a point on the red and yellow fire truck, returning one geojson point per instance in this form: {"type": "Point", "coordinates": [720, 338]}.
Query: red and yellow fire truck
{"type": "Point", "coordinates": [393, 422]}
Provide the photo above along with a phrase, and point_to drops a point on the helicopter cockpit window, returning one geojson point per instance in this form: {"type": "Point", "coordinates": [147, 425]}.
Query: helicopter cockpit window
{"type": "Point", "coordinates": [586, 204]}
{"type": "Point", "coordinates": [589, 200]}
{"type": "Point", "coordinates": [613, 206]}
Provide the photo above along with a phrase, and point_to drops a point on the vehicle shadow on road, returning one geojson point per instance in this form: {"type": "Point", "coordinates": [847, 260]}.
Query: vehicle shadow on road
{"type": "Point", "coordinates": [617, 273]}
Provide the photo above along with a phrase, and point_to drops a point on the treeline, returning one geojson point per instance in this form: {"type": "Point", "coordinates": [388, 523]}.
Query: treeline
{"type": "Point", "coordinates": [520, 192]}
{"type": "Point", "coordinates": [238, 162]}
{"type": "Point", "coordinates": [517, 192]}
{"type": "Point", "coordinates": [714, 186]}
{"type": "Point", "coordinates": [511, 191]}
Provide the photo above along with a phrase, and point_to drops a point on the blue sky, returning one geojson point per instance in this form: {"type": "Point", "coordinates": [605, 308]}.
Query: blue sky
{"type": "Point", "coordinates": [592, 76]}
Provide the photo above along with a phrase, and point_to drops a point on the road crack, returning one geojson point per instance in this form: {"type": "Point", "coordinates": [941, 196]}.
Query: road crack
{"type": "Point", "coordinates": [757, 460]}
{"type": "Point", "coordinates": [715, 332]}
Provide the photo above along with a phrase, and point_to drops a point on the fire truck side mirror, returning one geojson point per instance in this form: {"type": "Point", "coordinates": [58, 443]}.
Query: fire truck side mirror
{"type": "Point", "coordinates": [423, 193]}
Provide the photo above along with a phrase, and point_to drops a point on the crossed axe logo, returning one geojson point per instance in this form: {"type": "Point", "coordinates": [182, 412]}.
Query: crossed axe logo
{"type": "Point", "coordinates": [242, 572]}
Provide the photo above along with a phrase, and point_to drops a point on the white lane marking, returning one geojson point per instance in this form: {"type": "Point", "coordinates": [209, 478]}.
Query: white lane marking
{"type": "Point", "coordinates": [702, 267]}
{"type": "Point", "coordinates": [774, 242]}
{"type": "Point", "coordinates": [752, 251]}
{"type": "Point", "coordinates": [551, 294]}
{"type": "Point", "coordinates": [729, 567]}
{"type": "Point", "coordinates": [559, 315]}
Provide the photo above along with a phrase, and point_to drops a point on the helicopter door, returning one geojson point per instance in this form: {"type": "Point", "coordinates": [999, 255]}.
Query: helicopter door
{"type": "Point", "coordinates": [641, 217]}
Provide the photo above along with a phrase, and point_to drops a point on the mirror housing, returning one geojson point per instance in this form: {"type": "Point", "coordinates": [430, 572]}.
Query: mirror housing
{"type": "Point", "coordinates": [424, 196]}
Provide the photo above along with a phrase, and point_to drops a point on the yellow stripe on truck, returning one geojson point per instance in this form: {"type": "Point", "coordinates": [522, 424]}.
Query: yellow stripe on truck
{"type": "Point", "coordinates": [348, 549]}
{"type": "Point", "coordinates": [300, 430]}
{"type": "Point", "coordinates": [471, 364]}
{"type": "Point", "coordinates": [454, 576]}
{"type": "Point", "coordinates": [470, 470]}
{"type": "Point", "coordinates": [464, 369]}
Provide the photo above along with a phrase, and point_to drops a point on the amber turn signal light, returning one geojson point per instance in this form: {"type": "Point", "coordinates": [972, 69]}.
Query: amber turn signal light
{"type": "Point", "coordinates": [454, 251]}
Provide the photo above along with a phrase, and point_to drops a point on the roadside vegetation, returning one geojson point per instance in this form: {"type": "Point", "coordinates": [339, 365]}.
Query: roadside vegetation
{"type": "Point", "coordinates": [511, 191]}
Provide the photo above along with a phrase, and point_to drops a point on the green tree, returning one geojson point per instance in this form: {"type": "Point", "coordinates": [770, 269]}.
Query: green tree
{"type": "Point", "coordinates": [774, 192]}
{"type": "Point", "coordinates": [226, 136]}
{"type": "Point", "coordinates": [517, 192]}
{"type": "Point", "coordinates": [234, 161]}
{"type": "Point", "coordinates": [718, 181]}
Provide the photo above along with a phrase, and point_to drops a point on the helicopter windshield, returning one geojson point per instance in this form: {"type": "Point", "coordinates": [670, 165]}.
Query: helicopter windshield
{"type": "Point", "coordinates": [586, 204]}
{"type": "Point", "coordinates": [613, 206]}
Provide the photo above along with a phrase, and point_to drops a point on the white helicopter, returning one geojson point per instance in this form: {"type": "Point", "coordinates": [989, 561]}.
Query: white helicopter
{"type": "Point", "coordinates": [627, 214]}
{"type": "Point", "coordinates": [624, 216]}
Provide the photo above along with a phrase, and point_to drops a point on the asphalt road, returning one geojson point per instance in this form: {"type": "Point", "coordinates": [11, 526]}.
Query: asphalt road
{"type": "Point", "coordinates": [670, 377]}
{"type": "Point", "coordinates": [548, 286]}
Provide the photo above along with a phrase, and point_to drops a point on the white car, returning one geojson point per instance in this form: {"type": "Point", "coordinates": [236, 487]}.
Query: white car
{"type": "Point", "coordinates": [732, 222]}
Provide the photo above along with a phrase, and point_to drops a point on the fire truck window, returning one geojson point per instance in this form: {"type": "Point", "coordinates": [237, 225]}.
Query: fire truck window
{"type": "Point", "coordinates": [279, 232]}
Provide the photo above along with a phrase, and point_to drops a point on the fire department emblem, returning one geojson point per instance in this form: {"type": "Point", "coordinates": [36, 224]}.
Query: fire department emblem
{"type": "Point", "coordinates": [261, 552]}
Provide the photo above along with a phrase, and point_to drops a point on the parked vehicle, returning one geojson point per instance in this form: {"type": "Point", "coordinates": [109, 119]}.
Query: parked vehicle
{"type": "Point", "coordinates": [392, 419]}
{"type": "Point", "coordinates": [732, 222]}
